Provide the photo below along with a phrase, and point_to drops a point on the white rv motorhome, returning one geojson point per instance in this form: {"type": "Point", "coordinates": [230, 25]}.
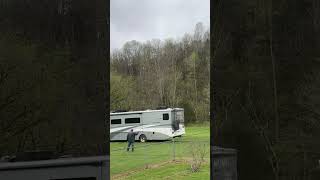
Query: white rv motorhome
{"type": "Point", "coordinates": [161, 124]}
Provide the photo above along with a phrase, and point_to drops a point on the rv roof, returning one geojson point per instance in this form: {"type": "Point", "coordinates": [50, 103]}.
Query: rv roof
{"type": "Point", "coordinates": [148, 110]}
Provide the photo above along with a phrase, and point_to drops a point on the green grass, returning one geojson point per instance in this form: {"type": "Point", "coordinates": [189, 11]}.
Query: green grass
{"type": "Point", "coordinates": [172, 171]}
{"type": "Point", "coordinates": [154, 153]}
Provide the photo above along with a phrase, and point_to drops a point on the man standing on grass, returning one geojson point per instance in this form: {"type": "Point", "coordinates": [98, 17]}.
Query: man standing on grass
{"type": "Point", "coordinates": [131, 138]}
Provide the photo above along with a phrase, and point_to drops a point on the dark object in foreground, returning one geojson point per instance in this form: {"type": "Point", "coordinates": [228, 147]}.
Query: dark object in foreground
{"type": "Point", "coordinates": [315, 173]}
{"type": "Point", "coordinates": [86, 168]}
{"type": "Point", "coordinates": [224, 163]}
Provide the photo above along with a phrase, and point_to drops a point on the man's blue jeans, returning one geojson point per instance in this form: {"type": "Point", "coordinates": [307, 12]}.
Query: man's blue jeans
{"type": "Point", "coordinates": [132, 146]}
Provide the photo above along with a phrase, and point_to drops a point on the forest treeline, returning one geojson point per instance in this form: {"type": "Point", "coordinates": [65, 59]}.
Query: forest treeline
{"type": "Point", "coordinates": [171, 72]}
{"type": "Point", "coordinates": [266, 86]}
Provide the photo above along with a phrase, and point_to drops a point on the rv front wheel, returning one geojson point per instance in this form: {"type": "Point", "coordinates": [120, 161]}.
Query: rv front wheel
{"type": "Point", "coordinates": [142, 138]}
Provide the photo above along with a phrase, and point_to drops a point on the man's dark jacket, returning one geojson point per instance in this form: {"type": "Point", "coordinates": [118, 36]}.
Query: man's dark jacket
{"type": "Point", "coordinates": [131, 136]}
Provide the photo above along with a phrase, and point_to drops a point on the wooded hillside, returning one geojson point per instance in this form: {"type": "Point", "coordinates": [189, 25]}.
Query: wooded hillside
{"type": "Point", "coordinates": [172, 72]}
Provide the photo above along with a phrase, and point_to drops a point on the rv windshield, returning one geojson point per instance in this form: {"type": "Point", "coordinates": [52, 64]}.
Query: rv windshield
{"type": "Point", "coordinates": [179, 116]}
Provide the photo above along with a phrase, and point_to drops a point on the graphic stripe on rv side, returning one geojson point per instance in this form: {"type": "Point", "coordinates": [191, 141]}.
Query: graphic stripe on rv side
{"type": "Point", "coordinates": [114, 130]}
{"type": "Point", "coordinates": [146, 128]}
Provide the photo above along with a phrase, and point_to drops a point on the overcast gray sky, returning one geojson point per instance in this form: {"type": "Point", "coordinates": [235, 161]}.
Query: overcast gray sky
{"type": "Point", "coordinates": [143, 20]}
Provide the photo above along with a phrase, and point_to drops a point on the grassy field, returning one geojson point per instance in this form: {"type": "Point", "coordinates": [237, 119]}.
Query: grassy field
{"type": "Point", "coordinates": [155, 159]}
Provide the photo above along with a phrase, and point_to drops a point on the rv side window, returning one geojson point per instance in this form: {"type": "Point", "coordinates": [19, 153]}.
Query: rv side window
{"type": "Point", "coordinates": [165, 116]}
{"type": "Point", "coordinates": [115, 121]}
{"type": "Point", "coordinates": [132, 120]}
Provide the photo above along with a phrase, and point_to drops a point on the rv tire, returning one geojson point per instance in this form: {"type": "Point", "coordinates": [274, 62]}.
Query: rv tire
{"type": "Point", "coordinates": [142, 138]}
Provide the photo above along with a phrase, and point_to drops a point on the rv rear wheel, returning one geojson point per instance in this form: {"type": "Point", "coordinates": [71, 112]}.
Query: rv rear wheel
{"type": "Point", "coordinates": [142, 138]}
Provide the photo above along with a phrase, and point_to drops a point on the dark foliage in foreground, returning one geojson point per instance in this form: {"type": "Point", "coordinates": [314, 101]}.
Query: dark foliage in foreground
{"type": "Point", "coordinates": [266, 85]}
{"type": "Point", "coordinates": [53, 76]}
